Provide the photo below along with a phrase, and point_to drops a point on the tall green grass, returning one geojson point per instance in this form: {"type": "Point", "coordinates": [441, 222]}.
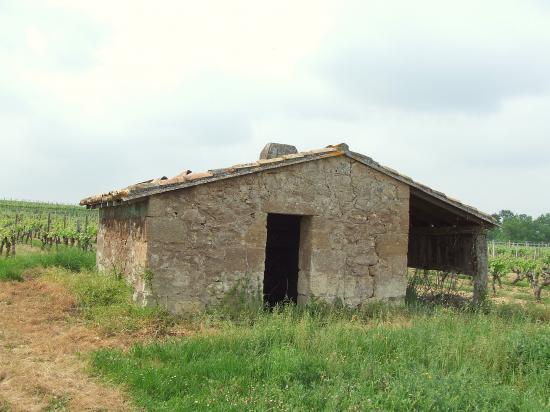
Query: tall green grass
{"type": "Point", "coordinates": [105, 301]}
{"type": "Point", "coordinates": [73, 259]}
{"type": "Point", "coordinates": [294, 359]}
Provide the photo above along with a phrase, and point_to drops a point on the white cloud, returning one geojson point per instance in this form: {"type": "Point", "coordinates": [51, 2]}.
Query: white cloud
{"type": "Point", "coordinates": [97, 95]}
{"type": "Point", "coordinates": [37, 42]}
{"type": "Point", "coordinates": [434, 55]}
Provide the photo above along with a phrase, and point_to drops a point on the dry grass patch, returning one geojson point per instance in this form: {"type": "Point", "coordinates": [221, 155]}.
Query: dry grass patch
{"type": "Point", "coordinates": [40, 343]}
{"type": "Point", "coordinates": [54, 317]}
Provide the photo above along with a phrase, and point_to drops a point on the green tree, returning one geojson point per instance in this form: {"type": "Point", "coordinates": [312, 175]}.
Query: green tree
{"type": "Point", "coordinates": [521, 227]}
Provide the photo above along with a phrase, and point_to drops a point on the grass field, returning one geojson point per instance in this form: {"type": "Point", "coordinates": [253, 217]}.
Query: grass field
{"type": "Point", "coordinates": [407, 359]}
{"type": "Point", "coordinates": [318, 357]}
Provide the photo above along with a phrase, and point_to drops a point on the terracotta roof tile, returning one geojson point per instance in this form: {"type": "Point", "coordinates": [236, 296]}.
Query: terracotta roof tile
{"type": "Point", "coordinates": [187, 178]}
{"type": "Point", "coordinates": [273, 160]}
{"type": "Point", "coordinates": [293, 156]}
{"type": "Point", "coordinates": [245, 165]}
{"type": "Point", "coordinates": [199, 175]}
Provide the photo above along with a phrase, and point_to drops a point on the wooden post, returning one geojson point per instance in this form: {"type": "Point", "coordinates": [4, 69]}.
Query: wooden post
{"type": "Point", "coordinates": [480, 265]}
{"type": "Point", "coordinates": [16, 238]}
{"type": "Point", "coordinates": [78, 231]}
{"type": "Point", "coordinates": [13, 246]}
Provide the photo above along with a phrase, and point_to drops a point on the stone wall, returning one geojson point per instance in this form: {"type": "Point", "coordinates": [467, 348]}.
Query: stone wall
{"type": "Point", "coordinates": [122, 245]}
{"type": "Point", "coordinates": [206, 240]}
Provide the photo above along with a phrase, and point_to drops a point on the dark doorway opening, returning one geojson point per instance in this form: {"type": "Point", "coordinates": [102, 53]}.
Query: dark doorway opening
{"type": "Point", "coordinates": [281, 258]}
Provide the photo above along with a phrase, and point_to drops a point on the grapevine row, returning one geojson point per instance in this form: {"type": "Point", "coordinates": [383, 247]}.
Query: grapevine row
{"type": "Point", "coordinates": [50, 230]}
{"type": "Point", "coordinates": [524, 266]}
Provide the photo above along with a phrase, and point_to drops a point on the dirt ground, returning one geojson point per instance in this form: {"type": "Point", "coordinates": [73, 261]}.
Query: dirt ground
{"type": "Point", "coordinates": [42, 353]}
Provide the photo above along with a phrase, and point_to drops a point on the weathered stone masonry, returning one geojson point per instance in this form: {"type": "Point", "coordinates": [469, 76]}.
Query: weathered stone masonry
{"type": "Point", "coordinates": [186, 242]}
{"type": "Point", "coordinates": [122, 244]}
{"type": "Point", "coordinates": [201, 241]}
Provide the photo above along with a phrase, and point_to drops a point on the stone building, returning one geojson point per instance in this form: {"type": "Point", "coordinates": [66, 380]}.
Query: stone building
{"type": "Point", "coordinates": [326, 224]}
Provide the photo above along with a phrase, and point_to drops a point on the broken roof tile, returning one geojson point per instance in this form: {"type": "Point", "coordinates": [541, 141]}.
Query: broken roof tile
{"type": "Point", "coordinates": [199, 175]}
{"type": "Point", "coordinates": [172, 180]}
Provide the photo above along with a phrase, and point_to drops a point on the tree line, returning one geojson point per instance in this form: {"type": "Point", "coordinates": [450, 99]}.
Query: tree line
{"type": "Point", "coordinates": [521, 227]}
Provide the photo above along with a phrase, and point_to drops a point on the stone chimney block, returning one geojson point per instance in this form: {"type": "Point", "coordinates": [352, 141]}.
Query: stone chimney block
{"type": "Point", "coordinates": [272, 150]}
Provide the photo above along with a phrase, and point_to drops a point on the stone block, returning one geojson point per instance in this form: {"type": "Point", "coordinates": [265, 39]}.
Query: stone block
{"type": "Point", "coordinates": [365, 286]}
{"type": "Point", "coordinates": [391, 244]}
{"type": "Point", "coordinates": [318, 284]}
{"type": "Point", "coordinates": [255, 258]}
{"type": "Point", "coordinates": [303, 283]}
{"type": "Point", "coordinates": [280, 205]}
{"type": "Point", "coordinates": [397, 264]}
{"type": "Point", "coordinates": [193, 215]}
{"type": "Point", "coordinates": [256, 234]}
{"type": "Point", "coordinates": [234, 259]}
{"type": "Point", "coordinates": [387, 282]}
{"type": "Point", "coordinates": [320, 239]}
{"type": "Point", "coordinates": [403, 192]}
{"type": "Point", "coordinates": [336, 285]}
{"type": "Point", "coordinates": [182, 304]}
{"type": "Point", "coordinates": [166, 230]}
{"type": "Point", "coordinates": [367, 258]}
{"type": "Point", "coordinates": [328, 261]}
{"type": "Point", "coordinates": [157, 206]}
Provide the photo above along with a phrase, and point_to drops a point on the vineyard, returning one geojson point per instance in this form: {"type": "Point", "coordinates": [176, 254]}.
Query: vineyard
{"type": "Point", "coordinates": [45, 225]}
{"type": "Point", "coordinates": [531, 264]}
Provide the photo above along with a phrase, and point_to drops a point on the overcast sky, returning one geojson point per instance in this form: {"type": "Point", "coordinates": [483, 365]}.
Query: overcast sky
{"type": "Point", "coordinates": [97, 95]}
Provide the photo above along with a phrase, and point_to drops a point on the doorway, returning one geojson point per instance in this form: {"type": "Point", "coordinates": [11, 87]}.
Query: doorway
{"type": "Point", "coordinates": [281, 258]}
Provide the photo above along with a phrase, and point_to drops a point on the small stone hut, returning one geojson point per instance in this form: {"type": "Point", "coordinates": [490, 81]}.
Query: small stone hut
{"type": "Point", "coordinates": [327, 224]}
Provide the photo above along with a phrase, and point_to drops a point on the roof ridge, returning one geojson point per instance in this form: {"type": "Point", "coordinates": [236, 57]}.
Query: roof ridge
{"type": "Point", "coordinates": [188, 178]}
